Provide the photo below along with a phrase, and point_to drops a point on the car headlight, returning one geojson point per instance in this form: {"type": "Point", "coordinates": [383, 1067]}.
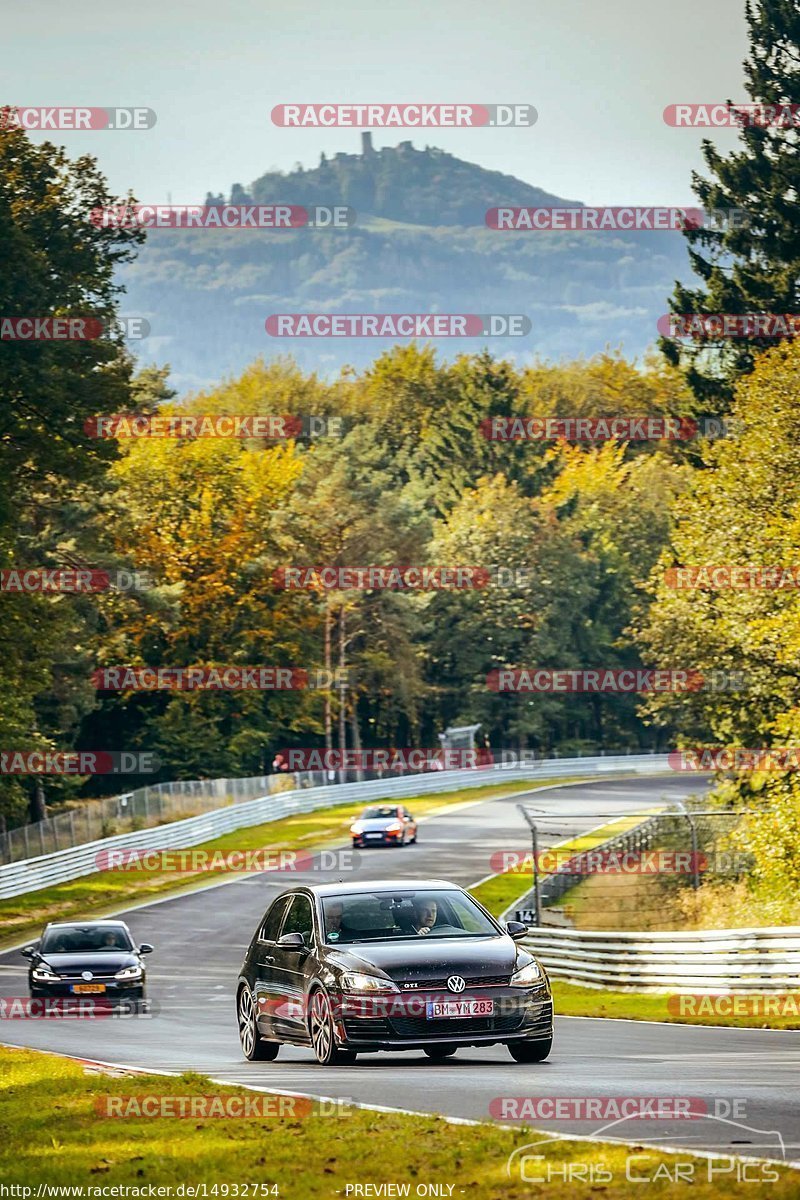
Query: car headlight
{"type": "Point", "coordinates": [356, 829]}
{"type": "Point", "coordinates": [129, 973]}
{"type": "Point", "coordinates": [395, 827]}
{"type": "Point", "coordinates": [43, 974]}
{"type": "Point", "coordinates": [370, 984]}
{"type": "Point", "coordinates": [527, 976]}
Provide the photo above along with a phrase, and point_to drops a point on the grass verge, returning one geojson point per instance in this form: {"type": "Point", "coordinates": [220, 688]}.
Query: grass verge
{"type": "Point", "coordinates": [108, 891]}
{"type": "Point", "coordinates": [740, 1010]}
{"type": "Point", "coordinates": [53, 1135]}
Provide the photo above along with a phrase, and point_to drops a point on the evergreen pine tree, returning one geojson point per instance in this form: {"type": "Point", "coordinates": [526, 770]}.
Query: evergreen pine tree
{"type": "Point", "coordinates": [752, 266]}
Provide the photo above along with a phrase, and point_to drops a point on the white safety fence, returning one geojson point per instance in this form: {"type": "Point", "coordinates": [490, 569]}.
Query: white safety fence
{"type": "Point", "coordinates": [719, 960]}
{"type": "Point", "coordinates": [29, 875]}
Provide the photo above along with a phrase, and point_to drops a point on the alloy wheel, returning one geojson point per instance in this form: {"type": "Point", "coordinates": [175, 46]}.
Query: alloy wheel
{"type": "Point", "coordinates": [247, 1024]}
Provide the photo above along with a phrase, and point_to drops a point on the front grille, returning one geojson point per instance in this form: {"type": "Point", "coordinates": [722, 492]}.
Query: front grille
{"type": "Point", "coordinates": [422, 1027]}
{"type": "Point", "coordinates": [440, 985]}
{"type": "Point", "coordinates": [80, 979]}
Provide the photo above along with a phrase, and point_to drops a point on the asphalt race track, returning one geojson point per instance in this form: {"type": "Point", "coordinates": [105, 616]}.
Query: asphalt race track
{"type": "Point", "coordinates": [200, 939]}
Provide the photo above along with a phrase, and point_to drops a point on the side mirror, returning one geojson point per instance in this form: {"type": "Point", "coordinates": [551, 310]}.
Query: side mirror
{"type": "Point", "coordinates": [146, 948]}
{"type": "Point", "coordinates": [292, 941]}
{"type": "Point", "coordinates": [516, 930]}
{"type": "Point", "coordinates": [29, 952]}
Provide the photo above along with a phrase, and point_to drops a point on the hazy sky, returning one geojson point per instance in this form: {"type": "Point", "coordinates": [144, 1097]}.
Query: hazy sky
{"type": "Point", "coordinates": [599, 72]}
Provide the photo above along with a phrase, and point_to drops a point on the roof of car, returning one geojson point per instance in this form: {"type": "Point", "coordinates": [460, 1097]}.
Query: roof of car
{"type": "Point", "coordinates": [85, 924]}
{"type": "Point", "coordinates": [375, 885]}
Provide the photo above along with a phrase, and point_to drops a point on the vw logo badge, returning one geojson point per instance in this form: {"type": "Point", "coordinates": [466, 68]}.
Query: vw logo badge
{"type": "Point", "coordinates": [456, 984]}
{"type": "Point", "coordinates": [87, 975]}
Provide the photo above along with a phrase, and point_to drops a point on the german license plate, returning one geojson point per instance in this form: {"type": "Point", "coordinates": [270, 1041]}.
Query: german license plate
{"type": "Point", "coordinates": [89, 987]}
{"type": "Point", "coordinates": [375, 835]}
{"type": "Point", "coordinates": [459, 1008]}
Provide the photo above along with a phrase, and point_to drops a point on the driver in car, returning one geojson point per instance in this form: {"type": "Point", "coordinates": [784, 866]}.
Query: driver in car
{"type": "Point", "coordinates": [333, 919]}
{"type": "Point", "coordinates": [425, 913]}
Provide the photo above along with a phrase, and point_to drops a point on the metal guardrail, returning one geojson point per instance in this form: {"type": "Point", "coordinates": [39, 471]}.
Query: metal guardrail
{"type": "Point", "coordinates": [719, 960]}
{"type": "Point", "coordinates": [158, 803]}
{"type": "Point", "coordinates": [19, 878]}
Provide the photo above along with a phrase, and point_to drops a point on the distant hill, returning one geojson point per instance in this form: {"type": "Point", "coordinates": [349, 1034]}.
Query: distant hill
{"type": "Point", "coordinates": [419, 245]}
{"type": "Point", "coordinates": [421, 187]}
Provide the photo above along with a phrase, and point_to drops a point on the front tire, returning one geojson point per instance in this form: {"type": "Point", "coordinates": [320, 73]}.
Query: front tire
{"type": "Point", "coordinates": [323, 1039]}
{"type": "Point", "coordinates": [530, 1052]}
{"type": "Point", "coordinates": [254, 1048]}
{"type": "Point", "coordinates": [439, 1053]}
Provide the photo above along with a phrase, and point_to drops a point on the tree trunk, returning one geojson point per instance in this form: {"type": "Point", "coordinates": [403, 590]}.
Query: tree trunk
{"type": "Point", "coordinates": [355, 732]}
{"type": "Point", "coordinates": [342, 692]}
{"type": "Point", "coordinates": [38, 804]}
{"type": "Point", "coordinates": [328, 718]}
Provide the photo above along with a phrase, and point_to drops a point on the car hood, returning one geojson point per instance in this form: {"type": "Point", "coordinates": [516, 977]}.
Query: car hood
{"type": "Point", "coordinates": [101, 963]}
{"type": "Point", "coordinates": [428, 958]}
{"type": "Point", "coordinates": [375, 824]}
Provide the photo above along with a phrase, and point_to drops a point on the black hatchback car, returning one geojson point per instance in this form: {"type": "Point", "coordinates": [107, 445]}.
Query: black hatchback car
{"type": "Point", "coordinates": [410, 965]}
{"type": "Point", "coordinates": [96, 958]}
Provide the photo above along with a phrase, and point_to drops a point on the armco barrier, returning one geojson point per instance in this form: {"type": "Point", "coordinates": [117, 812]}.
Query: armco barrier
{"type": "Point", "coordinates": [31, 874]}
{"type": "Point", "coordinates": [719, 960]}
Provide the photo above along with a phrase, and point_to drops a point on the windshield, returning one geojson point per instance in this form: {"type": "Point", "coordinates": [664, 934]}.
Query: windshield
{"type": "Point", "coordinates": [372, 814]}
{"type": "Point", "coordinates": [77, 939]}
{"type": "Point", "coordinates": [390, 916]}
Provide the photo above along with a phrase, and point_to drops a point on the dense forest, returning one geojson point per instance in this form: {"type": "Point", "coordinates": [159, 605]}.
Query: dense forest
{"type": "Point", "coordinates": [577, 540]}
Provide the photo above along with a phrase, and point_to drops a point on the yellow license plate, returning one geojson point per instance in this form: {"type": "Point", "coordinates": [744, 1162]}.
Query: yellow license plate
{"type": "Point", "coordinates": [89, 987]}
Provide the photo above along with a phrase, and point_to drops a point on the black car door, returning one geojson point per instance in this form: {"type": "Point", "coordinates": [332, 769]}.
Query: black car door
{"type": "Point", "coordinates": [289, 1017]}
{"type": "Point", "coordinates": [264, 963]}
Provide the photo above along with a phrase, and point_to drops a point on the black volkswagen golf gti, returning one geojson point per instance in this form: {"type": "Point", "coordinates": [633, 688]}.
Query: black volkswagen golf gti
{"type": "Point", "coordinates": [411, 965]}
